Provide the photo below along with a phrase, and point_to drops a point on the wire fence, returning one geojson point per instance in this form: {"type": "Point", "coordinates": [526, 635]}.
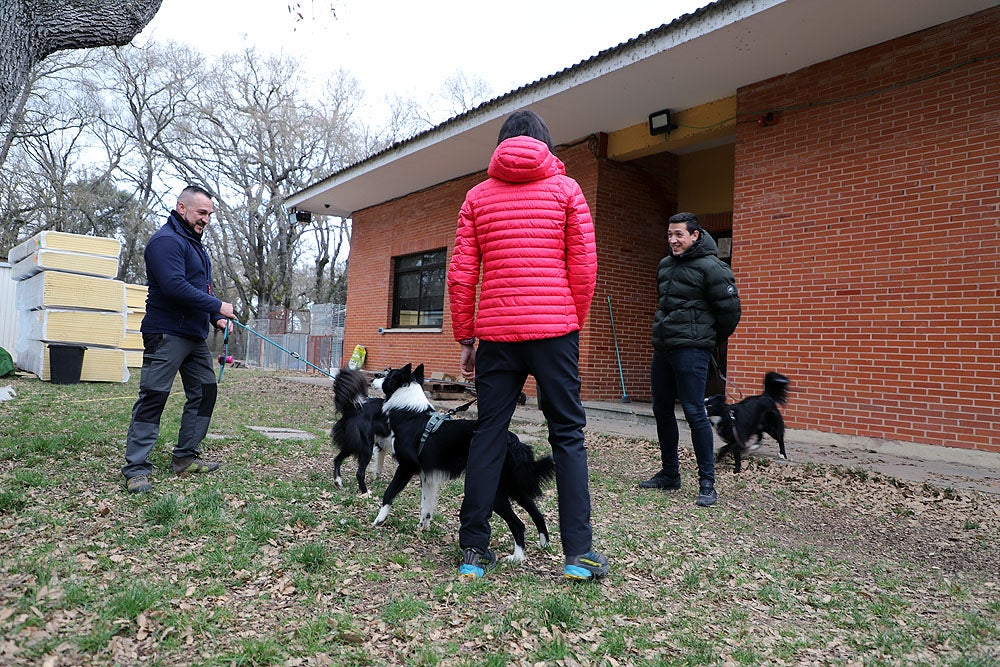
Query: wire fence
{"type": "Point", "coordinates": [316, 335]}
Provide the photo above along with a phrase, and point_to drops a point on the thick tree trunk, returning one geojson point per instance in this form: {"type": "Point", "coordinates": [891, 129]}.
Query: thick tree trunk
{"type": "Point", "coordinates": [30, 30]}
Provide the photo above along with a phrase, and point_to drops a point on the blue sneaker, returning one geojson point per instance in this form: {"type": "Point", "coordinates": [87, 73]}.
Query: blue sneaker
{"type": "Point", "coordinates": [591, 565]}
{"type": "Point", "coordinates": [476, 563]}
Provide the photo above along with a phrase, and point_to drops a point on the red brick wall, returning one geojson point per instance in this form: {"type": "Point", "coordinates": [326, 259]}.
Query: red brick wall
{"type": "Point", "coordinates": [422, 221]}
{"type": "Point", "coordinates": [633, 202]}
{"type": "Point", "coordinates": [866, 238]}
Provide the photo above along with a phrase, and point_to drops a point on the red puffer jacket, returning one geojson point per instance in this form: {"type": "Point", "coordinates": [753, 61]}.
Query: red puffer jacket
{"type": "Point", "coordinates": [530, 229]}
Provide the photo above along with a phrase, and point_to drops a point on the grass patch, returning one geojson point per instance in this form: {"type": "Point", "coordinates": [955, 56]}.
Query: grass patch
{"type": "Point", "coordinates": [312, 556]}
{"type": "Point", "coordinates": [12, 501]}
{"type": "Point", "coordinates": [163, 511]}
{"type": "Point", "coordinates": [265, 562]}
{"type": "Point", "coordinates": [132, 601]}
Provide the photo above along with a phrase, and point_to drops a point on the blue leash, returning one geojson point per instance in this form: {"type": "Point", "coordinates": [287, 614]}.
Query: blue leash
{"type": "Point", "coordinates": [614, 333]}
{"type": "Point", "coordinates": [225, 354]}
{"type": "Point", "coordinates": [294, 354]}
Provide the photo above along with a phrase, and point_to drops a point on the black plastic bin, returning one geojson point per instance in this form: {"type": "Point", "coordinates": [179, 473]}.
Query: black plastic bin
{"type": "Point", "coordinates": [65, 363]}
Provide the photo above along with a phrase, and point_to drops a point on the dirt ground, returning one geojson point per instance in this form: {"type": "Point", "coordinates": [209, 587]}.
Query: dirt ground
{"type": "Point", "coordinates": [945, 467]}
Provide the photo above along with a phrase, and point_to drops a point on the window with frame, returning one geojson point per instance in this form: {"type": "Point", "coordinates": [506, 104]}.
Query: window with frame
{"type": "Point", "coordinates": [418, 290]}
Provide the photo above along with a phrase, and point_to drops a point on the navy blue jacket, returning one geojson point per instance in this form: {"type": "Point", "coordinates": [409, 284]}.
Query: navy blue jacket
{"type": "Point", "coordinates": [179, 274]}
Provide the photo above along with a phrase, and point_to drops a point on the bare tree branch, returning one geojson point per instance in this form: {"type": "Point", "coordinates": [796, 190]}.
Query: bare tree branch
{"type": "Point", "coordinates": [31, 30]}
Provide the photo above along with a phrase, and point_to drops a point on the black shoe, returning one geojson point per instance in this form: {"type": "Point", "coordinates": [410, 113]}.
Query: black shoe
{"type": "Point", "coordinates": [706, 495]}
{"type": "Point", "coordinates": [663, 481]}
{"type": "Point", "coordinates": [476, 563]}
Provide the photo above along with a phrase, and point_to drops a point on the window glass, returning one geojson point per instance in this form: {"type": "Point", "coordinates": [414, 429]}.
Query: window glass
{"type": "Point", "coordinates": [418, 294]}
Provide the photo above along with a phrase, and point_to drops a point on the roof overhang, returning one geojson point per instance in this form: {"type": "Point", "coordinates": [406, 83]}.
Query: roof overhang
{"type": "Point", "coordinates": [695, 61]}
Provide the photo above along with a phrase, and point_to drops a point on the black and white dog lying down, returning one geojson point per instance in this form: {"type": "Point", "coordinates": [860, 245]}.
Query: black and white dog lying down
{"type": "Point", "coordinates": [362, 430]}
{"type": "Point", "coordinates": [736, 424]}
{"type": "Point", "coordinates": [435, 447]}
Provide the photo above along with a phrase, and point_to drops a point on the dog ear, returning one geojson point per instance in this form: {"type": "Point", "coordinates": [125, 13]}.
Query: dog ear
{"type": "Point", "coordinates": [418, 374]}
{"type": "Point", "coordinates": [405, 370]}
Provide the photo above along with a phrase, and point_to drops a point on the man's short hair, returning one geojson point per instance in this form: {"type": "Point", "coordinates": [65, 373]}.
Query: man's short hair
{"type": "Point", "coordinates": [194, 190]}
{"type": "Point", "coordinates": [689, 219]}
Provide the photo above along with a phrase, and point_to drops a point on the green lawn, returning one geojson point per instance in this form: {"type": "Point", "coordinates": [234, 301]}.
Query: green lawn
{"type": "Point", "coordinates": [266, 562]}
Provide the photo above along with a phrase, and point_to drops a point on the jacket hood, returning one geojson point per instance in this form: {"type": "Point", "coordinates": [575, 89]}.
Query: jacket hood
{"type": "Point", "coordinates": [524, 159]}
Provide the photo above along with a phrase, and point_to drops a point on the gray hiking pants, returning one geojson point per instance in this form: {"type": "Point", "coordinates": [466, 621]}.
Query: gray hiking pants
{"type": "Point", "coordinates": [164, 355]}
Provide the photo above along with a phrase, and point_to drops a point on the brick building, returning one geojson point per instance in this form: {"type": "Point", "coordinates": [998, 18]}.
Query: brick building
{"type": "Point", "coordinates": [849, 155]}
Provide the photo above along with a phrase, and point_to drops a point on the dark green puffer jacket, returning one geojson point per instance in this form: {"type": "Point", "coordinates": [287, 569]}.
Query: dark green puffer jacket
{"type": "Point", "coordinates": [699, 305]}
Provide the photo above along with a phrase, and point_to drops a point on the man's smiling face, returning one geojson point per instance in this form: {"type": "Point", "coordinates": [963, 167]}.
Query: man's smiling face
{"type": "Point", "coordinates": [196, 212]}
{"type": "Point", "coordinates": [679, 238]}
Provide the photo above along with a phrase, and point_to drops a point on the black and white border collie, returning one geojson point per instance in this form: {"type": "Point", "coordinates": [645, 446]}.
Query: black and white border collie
{"type": "Point", "coordinates": [362, 430]}
{"type": "Point", "coordinates": [436, 448]}
{"type": "Point", "coordinates": [738, 423]}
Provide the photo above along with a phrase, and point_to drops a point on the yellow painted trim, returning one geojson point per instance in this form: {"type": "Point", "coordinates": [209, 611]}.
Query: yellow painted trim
{"type": "Point", "coordinates": [695, 125]}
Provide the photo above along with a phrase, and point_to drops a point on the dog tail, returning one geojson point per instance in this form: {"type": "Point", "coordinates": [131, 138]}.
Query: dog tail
{"type": "Point", "coordinates": [545, 471]}
{"type": "Point", "coordinates": [526, 476]}
{"type": "Point", "coordinates": [350, 389]}
{"type": "Point", "coordinates": [776, 386]}
{"type": "Point", "coordinates": [532, 477]}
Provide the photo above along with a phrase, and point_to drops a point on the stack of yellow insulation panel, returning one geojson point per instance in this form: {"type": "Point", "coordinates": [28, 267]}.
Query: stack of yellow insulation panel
{"type": "Point", "coordinates": [61, 251]}
{"type": "Point", "coordinates": [135, 310]}
{"type": "Point", "coordinates": [68, 295]}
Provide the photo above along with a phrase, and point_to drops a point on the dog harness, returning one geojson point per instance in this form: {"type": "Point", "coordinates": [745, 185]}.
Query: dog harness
{"type": "Point", "coordinates": [732, 425]}
{"type": "Point", "coordinates": [438, 418]}
{"type": "Point", "coordinates": [433, 424]}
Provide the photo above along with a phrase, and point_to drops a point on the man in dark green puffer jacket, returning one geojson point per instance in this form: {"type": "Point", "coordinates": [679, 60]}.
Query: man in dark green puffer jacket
{"type": "Point", "coordinates": [699, 307]}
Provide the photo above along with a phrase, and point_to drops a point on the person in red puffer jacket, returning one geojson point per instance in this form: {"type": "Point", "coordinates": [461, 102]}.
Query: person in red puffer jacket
{"type": "Point", "coordinates": [528, 227]}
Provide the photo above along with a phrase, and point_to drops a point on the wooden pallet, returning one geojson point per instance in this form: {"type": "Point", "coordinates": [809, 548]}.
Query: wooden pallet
{"type": "Point", "coordinates": [443, 390]}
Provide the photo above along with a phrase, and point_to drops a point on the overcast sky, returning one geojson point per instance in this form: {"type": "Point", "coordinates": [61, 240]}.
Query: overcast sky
{"type": "Point", "coordinates": [410, 48]}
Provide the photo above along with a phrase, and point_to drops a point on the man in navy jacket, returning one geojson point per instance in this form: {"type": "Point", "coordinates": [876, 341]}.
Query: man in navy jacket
{"type": "Point", "coordinates": [180, 308]}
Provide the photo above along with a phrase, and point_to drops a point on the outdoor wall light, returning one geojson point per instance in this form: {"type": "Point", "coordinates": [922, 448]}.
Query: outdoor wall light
{"type": "Point", "coordinates": [299, 217]}
{"type": "Point", "coordinates": [659, 123]}
{"type": "Point", "coordinates": [768, 119]}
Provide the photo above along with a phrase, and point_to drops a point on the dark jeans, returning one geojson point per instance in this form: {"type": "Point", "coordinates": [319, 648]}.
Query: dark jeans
{"type": "Point", "coordinates": [501, 370]}
{"type": "Point", "coordinates": [681, 374]}
{"type": "Point", "coordinates": [163, 356]}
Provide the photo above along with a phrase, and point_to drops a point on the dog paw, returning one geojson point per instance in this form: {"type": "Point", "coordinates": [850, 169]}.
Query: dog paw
{"type": "Point", "coordinates": [517, 556]}
{"type": "Point", "coordinates": [339, 483]}
{"type": "Point", "coordinates": [543, 541]}
{"type": "Point", "coordinates": [383, 514]}
{"type": "Point", "coordinates": [366, 494]}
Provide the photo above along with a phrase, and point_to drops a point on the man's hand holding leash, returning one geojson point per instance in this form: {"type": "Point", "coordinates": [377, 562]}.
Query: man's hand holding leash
{"type": "Point", "coordinates": [225, 323]}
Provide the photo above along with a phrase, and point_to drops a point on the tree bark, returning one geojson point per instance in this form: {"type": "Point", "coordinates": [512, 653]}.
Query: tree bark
{"type": "Point", "coordinates": [30, 30]}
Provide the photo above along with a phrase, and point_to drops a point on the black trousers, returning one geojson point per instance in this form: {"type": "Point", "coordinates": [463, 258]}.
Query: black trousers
{"type": "Point", "coordinates": [501, 370]}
